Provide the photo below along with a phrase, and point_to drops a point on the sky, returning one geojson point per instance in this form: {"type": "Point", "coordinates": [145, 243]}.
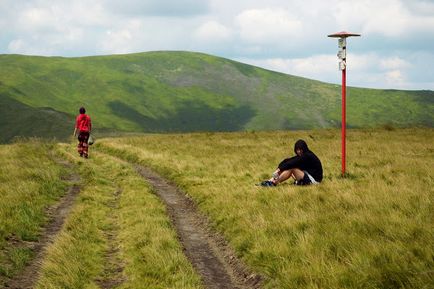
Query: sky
{"type": "Point", "coordinates": [395, 50]}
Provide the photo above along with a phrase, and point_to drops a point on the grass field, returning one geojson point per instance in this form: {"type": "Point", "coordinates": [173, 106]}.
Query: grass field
{"type": "Point", "coordinates": [118, 233]}
{"type": "Point", "coordinates": [372, 229]}
{"type": "Point", "coordinates": [29, 182]}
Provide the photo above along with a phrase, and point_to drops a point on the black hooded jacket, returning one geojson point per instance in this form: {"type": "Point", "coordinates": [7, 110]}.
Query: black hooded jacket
{"type": "Point", "coordinates": [308, 161]}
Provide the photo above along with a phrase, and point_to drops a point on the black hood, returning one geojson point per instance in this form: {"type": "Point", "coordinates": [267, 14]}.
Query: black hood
{"type": "Point", "coordinates": [300, 144]}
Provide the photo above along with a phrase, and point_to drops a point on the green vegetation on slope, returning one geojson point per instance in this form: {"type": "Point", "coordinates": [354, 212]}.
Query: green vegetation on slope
{"type": "Point", "coordinates": [186, 91]}
{"type": "Point", "coordinates": [371, 230]}
{"type": "Point", "coordinates": [18, 119]}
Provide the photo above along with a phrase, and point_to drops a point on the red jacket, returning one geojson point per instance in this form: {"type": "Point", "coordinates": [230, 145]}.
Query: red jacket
{"type": "Point", "coordinates": [83, 122]}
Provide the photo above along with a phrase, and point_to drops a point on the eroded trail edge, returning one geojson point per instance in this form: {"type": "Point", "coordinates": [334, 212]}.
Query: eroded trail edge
{"type": "Point", "coordinates": [57, 214]}
{"type": "Point", "coordinates": [208, 252]}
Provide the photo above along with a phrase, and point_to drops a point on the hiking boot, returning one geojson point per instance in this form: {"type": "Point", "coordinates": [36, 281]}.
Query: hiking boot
{"type": "Point", "coordinates": [268, 184]}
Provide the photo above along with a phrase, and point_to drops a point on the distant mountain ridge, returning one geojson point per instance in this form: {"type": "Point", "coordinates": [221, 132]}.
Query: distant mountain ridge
{"type": "Point", "coordinates": [176, 91]}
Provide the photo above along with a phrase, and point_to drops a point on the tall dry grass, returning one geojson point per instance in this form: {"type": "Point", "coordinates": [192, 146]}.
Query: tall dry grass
{"type": "Point", "coordinates": [372, 229]}
{"type": "Point", "coordinates": [117, 233]}
{"type": "Point", "coordinates": [30, 181]}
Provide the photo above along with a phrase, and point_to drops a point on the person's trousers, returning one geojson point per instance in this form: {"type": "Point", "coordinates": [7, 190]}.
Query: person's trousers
{"type": "Point", "coordinates": [83, 146]}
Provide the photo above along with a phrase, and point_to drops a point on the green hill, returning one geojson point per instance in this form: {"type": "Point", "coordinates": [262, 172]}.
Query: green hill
{"type": "Point", "coordinates": [185, 91]}
{"type": "Point", "coordinates": [18, 119]}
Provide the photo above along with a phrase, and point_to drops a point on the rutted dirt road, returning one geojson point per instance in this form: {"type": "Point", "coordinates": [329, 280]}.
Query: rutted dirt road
{"type": "Point", "coordinates": [210, 255]}
{"type": "Point", "coordinates": [27, 278]}
{"type": "Point", "coordinates": [208, 252]}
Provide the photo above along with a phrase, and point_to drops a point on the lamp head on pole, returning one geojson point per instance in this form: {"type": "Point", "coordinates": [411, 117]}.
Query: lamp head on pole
{"type": "Point", "coordinates": [342, 43]}
{"type": "Point", "coordinates": [343, 34]}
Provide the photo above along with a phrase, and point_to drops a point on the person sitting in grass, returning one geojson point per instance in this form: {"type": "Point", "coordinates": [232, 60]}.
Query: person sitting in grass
{"type": "Point", "coordinates": [305, 168]}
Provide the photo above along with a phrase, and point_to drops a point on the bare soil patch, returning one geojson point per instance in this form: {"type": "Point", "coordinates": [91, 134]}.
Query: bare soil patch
{"type": "Point", "coordinates": [57, 214]}
{"type": "Point", "coordinates": [207, 250]}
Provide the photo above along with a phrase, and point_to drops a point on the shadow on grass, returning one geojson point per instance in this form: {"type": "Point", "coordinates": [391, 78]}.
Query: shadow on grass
{"type": "Point", "coordinates": [189, 116]}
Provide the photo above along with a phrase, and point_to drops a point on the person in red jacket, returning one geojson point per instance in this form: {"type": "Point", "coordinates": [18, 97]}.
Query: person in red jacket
{"type": "Point", "coordinates": [83, 126]}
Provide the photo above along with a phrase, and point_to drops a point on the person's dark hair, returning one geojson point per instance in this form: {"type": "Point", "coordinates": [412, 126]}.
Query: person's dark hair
{"type": "Point", "coordinates": [300, 144]}
{"type": "Point", "coordinates": [82, 110]}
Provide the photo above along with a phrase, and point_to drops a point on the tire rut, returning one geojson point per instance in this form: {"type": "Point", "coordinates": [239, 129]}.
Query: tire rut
{"type": "Point", "coordinates": [112, 275]}
{"type": "Point", "coordinates": [57, 214]}
{"type": "Point", "coordinates": [207, 250]}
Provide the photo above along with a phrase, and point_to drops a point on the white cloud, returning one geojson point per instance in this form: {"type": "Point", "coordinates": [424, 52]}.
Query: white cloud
{"type": "Point", "coordinates": [162, 8]}
{"type": "Point", "coordinates": [17, 46]}
{"type": "Point", "coordinates": [124, 38]}
{"type": "Point", "coordinates": [365, 70]}
{"type": "Point", "coordinates": [390, 18]}
{"type": "Point", "coordinates": [319, 67]}
{"type": "Point", "coordinates": [36, 18]}
{"type": "Point", "coordinates": [394, 62]}
{"type": "Point", "coordinates": [117, 41]}
{"type": "Point", "coordinates": [395, 78]}
{"type": "Point", "coordinates": [147, 34]}
{"type": "Point", "coordinates": [21, 46]}
{"type": "Point", "coordinates": [422, 8]}
{"type": "Point", "coordinates": [59, 15]}
{"type": "Point", "coordinates": [212, 31]}
{"type": "Point", "coordinates": [52, 27]}
{"type": "Point", "coordinates": [379, 71]}
{"type": "Point", "coordinates": [268, 25]}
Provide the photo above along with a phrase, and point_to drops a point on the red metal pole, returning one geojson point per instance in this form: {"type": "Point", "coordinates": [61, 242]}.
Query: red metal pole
{"type": "Point", "coordinates": [342, 55]}
{"type": "Point", "coordinates": [344, 119]}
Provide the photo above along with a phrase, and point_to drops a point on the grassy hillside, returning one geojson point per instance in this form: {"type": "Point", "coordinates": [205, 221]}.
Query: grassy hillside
{"type": "Point", "coordinates": [186, 91]}
{"type": "Point", "coordinates": [18, 119]}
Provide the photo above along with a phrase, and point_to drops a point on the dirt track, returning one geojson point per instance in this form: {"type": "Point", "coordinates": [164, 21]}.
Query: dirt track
{"type": "Point", "coordinates": [27, 278]}
{"type": "Point", "coordinates": [210, 255]}
{"type": "Point", "coordinates": [208, 252]}
{"type": "Point", "coordinates": [113, 266]}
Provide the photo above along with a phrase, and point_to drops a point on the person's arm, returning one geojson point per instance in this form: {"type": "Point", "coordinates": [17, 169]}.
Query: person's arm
{"type": "Point", "coordinates": [290, 163]}
{"type": "Point", "coordinates": [282, 162]}
{"type": "Point", "coordinates": [76, 126]}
